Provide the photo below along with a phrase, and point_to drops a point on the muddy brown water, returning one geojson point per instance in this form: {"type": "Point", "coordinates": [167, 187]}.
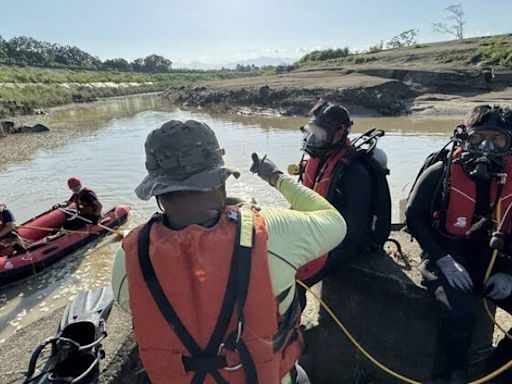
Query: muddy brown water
{"type": "Point", "coordinates": [103, 144]}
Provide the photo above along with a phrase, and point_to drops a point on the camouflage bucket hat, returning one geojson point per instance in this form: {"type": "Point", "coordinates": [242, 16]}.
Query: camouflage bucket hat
{"type": "Point", "coordinates": [183, 157]}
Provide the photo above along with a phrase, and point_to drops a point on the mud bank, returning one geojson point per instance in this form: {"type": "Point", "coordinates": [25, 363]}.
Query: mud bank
{"type": "Point", "coordinates": [364, 91]}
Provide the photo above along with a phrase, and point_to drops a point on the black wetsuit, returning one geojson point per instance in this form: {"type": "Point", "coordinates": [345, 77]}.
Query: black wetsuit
{"type": "Point", "coordinates": [456, 308]}
{"type": "Point", "coordinates": [352, 198]}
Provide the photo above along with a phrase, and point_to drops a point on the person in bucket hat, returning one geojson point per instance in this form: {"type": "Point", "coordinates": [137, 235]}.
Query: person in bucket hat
{"type": "Point", "coordinates": [210, 285]}
{"type": "Point", "coordinates": [183, 157]}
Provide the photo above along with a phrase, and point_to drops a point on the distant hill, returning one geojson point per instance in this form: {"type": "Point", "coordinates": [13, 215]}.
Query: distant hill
{"type": "Point", "coordinates": [258, 62]}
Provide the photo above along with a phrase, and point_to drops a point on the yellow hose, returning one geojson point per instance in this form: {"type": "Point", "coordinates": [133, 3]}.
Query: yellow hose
{"type": "Point", "coordinates": [376, 362]}
{"type": "Point", "coordinates": [489, 271]}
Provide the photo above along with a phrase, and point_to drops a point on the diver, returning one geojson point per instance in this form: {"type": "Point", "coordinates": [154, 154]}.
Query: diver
{"type": "Point", "coordinates": [352, 178]}
{"type": "Point", "coordinates": [452, 211]}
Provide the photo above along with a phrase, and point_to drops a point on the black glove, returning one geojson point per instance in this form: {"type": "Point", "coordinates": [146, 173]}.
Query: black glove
{"type": "Point", "coordinates": [265, 168]}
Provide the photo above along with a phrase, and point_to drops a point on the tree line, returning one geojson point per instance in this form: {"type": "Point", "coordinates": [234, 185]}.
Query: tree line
{"type": "Point", "coordinates": [27, 51]}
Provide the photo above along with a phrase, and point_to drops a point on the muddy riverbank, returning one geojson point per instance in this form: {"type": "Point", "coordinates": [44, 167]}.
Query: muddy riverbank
{"type": "Point", "coordinates": [366, 91]}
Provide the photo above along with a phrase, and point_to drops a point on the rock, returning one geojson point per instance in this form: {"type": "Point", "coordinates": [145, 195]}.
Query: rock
{"type": "Point", "coordinates": [8, 127]}
{"type": "Point", "coordinates": [390, 314]}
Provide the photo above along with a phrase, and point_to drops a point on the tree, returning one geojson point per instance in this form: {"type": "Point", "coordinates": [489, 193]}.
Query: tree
{"type": "Point", "coordinates": [377, 47]}
{"type": "Point", "coordinates": [403, 39]}
{"type": "Point", "coordinates": [152, 64]}
{"type": "Point", "coordinates": [27, 50]}
{"type": "Point", "coordinates": [138, 65]}
{"type": "Point", "coordinates": [456, 18]}
{"type": "Point", "coordinates": [326, 54]}
{"type": "Point", "coordinates": [117, 65]}
{"type": "Point", "coordinates": [3, 48]}
{"type": "Point", "coordinates": [157, 64]}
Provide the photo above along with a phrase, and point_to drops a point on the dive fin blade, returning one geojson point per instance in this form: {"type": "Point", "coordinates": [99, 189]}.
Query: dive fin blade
{"type": "Point", "coordinates": [88, 306]}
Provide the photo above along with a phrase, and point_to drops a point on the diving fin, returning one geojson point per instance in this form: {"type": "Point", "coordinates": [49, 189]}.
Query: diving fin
{"type": "Point", "coordinates": [76, 349]}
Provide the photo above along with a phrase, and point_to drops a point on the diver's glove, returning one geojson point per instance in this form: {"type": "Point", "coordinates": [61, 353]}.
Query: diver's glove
{"type": "Point", "coordinates": [499, 286]}
{"type": "Point", "coordinates": [265, 169]}
{"type": "Point", "coordinates": [455, 273]}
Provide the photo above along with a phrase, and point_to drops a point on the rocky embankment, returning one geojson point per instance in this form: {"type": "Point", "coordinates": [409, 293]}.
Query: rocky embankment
{"type": "Point", "coordinates": [369, 90]}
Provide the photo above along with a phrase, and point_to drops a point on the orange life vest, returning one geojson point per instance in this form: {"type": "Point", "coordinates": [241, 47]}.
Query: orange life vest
{"type": "Point", "coordinates": [202, 303]}
{"type": "Point", "coordinates": [462, 198]}
{"type": "Point", "coordinates": [318, 178]}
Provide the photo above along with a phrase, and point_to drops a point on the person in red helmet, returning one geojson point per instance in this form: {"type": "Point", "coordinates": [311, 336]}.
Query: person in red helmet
{"type": "Point", "coordinates": [8, 236]}
{"type": "Point", "coordinates": [86, 203]}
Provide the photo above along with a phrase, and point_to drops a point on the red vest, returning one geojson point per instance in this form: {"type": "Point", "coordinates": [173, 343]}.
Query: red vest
{"type": "Point", "coordinates": [194, 267]}
{"type": "Point", "coordinates": [319, 178]}
{"type": "Point", "coordinates": [462, 199]}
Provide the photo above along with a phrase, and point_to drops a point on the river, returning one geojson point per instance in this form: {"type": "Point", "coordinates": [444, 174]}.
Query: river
{"type": "Point", "coordinates": [103, 144]}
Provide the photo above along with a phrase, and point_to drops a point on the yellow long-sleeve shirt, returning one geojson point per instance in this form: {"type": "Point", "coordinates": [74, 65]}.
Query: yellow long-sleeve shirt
{"type": "Point", "coordinates": [295, 237]}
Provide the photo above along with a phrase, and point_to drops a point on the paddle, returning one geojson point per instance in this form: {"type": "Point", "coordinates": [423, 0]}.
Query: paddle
{"type": "Point", "coordinates": [76, 215]}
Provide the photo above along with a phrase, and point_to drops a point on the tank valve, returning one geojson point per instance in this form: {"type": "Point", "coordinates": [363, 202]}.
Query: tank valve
{"type": "Point", "coordinates": [497, 241]}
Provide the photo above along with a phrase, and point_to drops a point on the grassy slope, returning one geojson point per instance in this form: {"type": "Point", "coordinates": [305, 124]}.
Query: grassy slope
{"type": "Point", "coordinates": [23, 89]}
{"type": "Point", "coordinates": [339, 73]}
{"type": "Point", "coordinates": [464, 53]}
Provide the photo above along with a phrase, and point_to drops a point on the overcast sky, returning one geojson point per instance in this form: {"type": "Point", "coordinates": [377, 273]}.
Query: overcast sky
{"type": "Point", "coordinates": [230, 30]}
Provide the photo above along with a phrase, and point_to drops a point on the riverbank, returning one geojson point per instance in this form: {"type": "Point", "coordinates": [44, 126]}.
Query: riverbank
{"type": "Point", "coordinates": [365, 92]}
{"type": "Point", "coordinates": [431, 79]}
{"type": "Point", "coordinates": [26, 90]}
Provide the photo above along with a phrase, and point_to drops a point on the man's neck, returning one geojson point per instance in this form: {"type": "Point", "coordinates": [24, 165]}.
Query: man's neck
{"type": "Point", "coordinates": [177, 225]}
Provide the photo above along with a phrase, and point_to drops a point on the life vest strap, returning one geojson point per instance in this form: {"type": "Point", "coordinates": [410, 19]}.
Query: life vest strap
{"type": "Point", "coordinates": [204, 363]}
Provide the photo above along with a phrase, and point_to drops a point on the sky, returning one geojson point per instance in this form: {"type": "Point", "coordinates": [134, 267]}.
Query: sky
{"type": "Point", "coordinates": [222, 31]}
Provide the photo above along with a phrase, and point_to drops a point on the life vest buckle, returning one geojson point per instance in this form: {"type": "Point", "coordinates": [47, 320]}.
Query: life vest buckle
{"type": "Point", "coordinates": [228, 368]}
{"type": "Point", "coordinates": [233, 216]}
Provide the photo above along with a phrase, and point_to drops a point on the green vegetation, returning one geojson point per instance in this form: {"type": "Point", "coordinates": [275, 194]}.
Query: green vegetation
{"type": "Point", "coordinates": [324, 55]}
{"type": "Point", "coordinates": [24, 89]}
{"type": "Point", "coordinates": [494, 51]}
{"type": "Point", "coordinates": [359, 59]}
{"type": "Point", "coordinates": [38, 74]}
{"type": "Point", "coordinates": [23, 50]}
{"type": "Point", "coordinates": [175, 77]}
{"type": "Point", "coordinates": [377, 47]}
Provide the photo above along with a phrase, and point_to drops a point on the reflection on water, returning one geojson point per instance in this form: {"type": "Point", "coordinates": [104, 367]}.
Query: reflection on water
{"type": "Point", "coordinates": [103, 145]}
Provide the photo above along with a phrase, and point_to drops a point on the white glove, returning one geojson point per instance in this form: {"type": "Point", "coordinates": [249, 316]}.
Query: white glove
{"type": "Point", "coordinates": [455, 273]}
{"type": "Point", "coordinates": [499, 286]}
